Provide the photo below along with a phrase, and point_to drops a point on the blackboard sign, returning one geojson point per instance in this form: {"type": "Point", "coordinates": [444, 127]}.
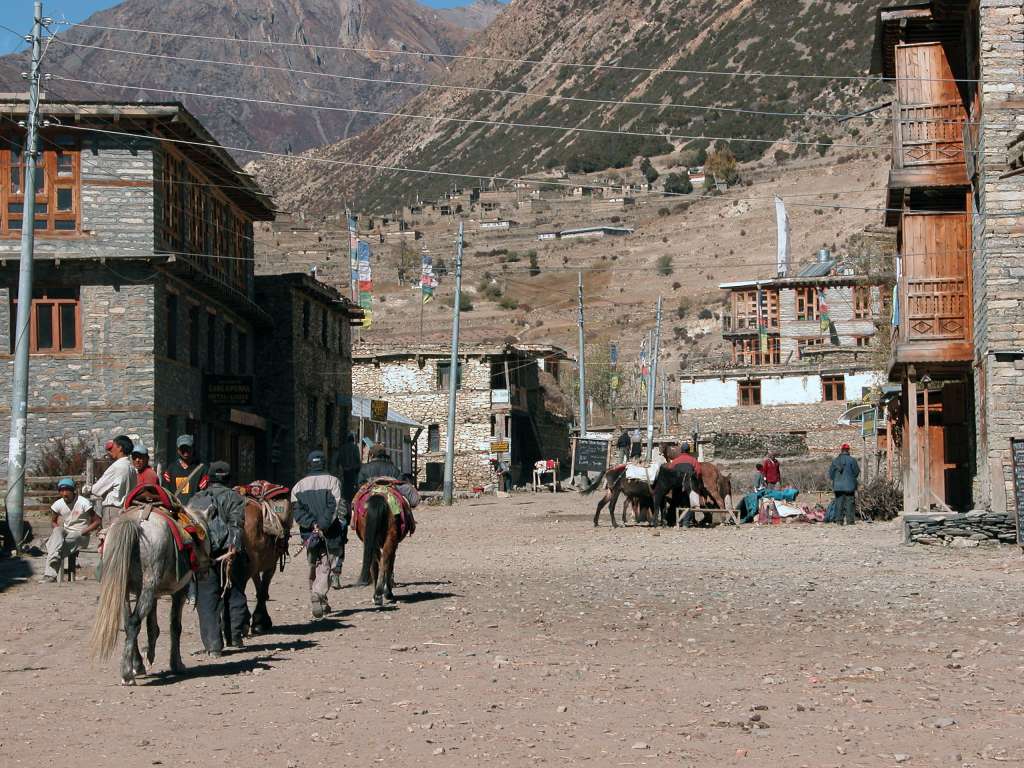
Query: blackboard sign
{"type": "Point", "coordinates": [1017, 450]}
{"type": "Point", "coordinates": [590, 456]}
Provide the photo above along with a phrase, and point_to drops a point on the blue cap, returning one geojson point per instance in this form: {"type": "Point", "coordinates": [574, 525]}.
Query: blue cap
{"type": "Point", "coordinates": [66, 482]}
{"type": "Point", "coordinates": [316, 459]}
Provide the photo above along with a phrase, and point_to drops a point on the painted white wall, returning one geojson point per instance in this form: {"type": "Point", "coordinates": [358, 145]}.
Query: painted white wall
{"type": "Point", "coordinates": [791, 390]}
{"type": "Point", "coordinates": [857, 382]}
{"type": "Point", "coordinates": [709, 393]}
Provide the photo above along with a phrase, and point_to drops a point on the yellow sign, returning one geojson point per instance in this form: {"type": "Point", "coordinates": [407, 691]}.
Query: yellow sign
{"type": "Point", "coordinates": [379, 411]}
{"type": "Point", "coordinates": [499, 446]}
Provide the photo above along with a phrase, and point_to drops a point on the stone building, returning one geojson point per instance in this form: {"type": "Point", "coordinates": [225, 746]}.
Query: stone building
{"type": "Point", "coordinates": [143, 318]}
{"type": "Point", "coordinates": [956, 197]}
{"type": "Point", "coordinates": [803, 351]}
{"type": "Point", "coordinates": [305, 385]}
{"type": "Point", "coordinates": [505, 394]}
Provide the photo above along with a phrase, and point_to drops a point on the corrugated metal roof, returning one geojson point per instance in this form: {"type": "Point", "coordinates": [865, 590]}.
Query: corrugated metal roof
{"type": "Point", "coordinates": [361, 410]}
{"type": "Point", "coordinates": [818, 269]}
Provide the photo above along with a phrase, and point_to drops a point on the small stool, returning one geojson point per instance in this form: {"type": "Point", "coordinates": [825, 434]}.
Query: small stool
{"type": "Point", "coordinates": [68, 567]}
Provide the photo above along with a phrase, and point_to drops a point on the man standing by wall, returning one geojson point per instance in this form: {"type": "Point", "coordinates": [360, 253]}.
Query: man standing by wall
{"type": "Point", "coordinates": [186, 475]}
{"type": "Point", "coordinates": [114, 484]}
{"type": "Point", "coordinates": [772, 471]}
{"type": "Point", "coordinates": [844, 474]}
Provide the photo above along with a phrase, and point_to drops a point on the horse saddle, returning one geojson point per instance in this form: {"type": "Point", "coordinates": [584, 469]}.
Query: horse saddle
{"type": "Point", "coordinates": [642, 473]}
{"type": "Point", "coordinates": [188, 540]}
{"type": "Point", "coordinates": [271, 498]}
{"type": "Point", "coordinates": [397, 503]}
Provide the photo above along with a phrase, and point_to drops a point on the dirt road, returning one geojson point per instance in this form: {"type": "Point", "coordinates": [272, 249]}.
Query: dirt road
{"type": "Point", "coordinates": [525, 637]}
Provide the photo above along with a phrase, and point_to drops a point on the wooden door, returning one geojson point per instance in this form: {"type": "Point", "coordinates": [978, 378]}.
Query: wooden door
{"type": "Point", "coordinates": [936, 280]}
{"type": "Point", "coordinates": [930, 111]}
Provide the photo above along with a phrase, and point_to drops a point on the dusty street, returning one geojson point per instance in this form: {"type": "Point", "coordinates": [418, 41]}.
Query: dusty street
{"type": "Point", "coordinates": [524, 637]}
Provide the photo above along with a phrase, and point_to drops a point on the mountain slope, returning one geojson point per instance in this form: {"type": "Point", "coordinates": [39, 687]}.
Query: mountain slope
{"type": "Point", "coordinates": [477, 15]}
{"type": "Point", "coordinates": [800, 37]}
{"type": "Point", "coordinates": [377, 24]}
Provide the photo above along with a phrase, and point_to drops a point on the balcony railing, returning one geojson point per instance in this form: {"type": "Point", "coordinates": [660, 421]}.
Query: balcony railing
{"type": "Point", "coordinates": [935, 309]}
{"type": "Point", "coordinates": [928, 134]}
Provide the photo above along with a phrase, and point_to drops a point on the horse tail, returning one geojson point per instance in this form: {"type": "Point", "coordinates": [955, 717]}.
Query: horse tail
{"type": "Point", "coordinates": [594, 485]}
{"type": "Point", "coordinates": [374, 532]}
{"type": "Point", "coordinates": [120, 550]}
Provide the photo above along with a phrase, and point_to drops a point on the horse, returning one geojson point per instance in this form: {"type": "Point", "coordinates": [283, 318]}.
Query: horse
{"type": "Point", "coordinates": [268, 525]}
{"type": "Point", "coordinates": [716, 486]}
{"type": "Point", "coordinates": [382, 518]}
{"type": "Point", "coordinates": [141, 558]}
{"type": "Point", "coordinates": [613, 488]}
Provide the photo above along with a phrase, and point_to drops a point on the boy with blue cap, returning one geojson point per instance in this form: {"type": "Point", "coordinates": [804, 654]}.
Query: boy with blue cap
{"type": "Point", "coordinates": [73, 519]}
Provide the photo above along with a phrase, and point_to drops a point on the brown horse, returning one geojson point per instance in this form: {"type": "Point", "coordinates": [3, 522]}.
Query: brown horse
{"type": "Point", "coordinates": [716, 487]}
{"type": "Point", "coordinates": [268, 524]}
{"type": "Point", "coordinates": [381, 529]}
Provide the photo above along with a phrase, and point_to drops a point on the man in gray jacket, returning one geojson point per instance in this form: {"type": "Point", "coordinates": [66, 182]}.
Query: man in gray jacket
{"type": "Point", "coordinates": [844, 474]}
{"type": "Point", "coordinates": [323, 519]}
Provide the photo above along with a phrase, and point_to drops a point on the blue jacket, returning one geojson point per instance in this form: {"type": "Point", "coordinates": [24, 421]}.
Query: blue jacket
{"type": "Point", "coordinates": [844, 473]}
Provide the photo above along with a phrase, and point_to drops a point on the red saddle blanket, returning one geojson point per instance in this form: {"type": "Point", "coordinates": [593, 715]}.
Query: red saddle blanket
{"type": "Point", "coordinates": [263, 490]}
{"type": "Point", "coordinates": [397, 503]}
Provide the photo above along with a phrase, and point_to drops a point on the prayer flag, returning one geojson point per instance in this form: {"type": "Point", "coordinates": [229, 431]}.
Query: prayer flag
{"type": "Point", "coordinates": [782, 224]}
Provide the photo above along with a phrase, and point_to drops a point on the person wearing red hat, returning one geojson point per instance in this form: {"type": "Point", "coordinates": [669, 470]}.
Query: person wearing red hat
{"type": "Point", "coordinates": [845, 475]}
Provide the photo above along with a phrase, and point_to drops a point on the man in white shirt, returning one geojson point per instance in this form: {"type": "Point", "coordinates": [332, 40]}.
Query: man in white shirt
{"type": "Point", "coordinates": [115, 484]}
{"type": "Point", "coordinates": [73, 520]}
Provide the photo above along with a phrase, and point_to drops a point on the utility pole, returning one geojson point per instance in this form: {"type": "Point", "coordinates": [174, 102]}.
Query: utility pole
{"type": "Point", "coordinates": [664, 405]}
{"type": "Point", "coordinates": [652, 385]}
{"type": "Point", "coordinates": [453, 376]}
{"type": "Point", "coordinates": [19, 390]}
{"type": "Point", "coordinates": [583, 362]}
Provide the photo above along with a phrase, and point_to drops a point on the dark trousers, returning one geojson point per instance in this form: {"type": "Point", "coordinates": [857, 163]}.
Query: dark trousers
{"type": "Point", "coordinates": [845, 508]}
{"type": "Point", "coordinates": [222, 616]}
{"type": "Point", "coordinates": [236, 614]}
{"type": "Point", "coordinates": [209, 607]}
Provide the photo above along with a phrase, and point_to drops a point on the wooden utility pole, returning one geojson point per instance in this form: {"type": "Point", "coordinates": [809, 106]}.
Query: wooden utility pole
{"type": "Point", "coordinates": [453, 377]}
{"type": "Point", "coordinates": [583, 361]}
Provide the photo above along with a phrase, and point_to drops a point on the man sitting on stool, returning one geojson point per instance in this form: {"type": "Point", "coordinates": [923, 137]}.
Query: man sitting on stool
{"type": "Point", "coordinates": [73, 519]}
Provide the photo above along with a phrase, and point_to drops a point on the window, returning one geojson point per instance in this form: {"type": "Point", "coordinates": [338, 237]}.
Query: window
{"type": "Point", "coordinates": [229, 340]}
{"type": "Point", "coordinates": [862, 302]}
{"type": "Point", "coordinates": [744, 309]}
{"type": "Point", "coordinates": [802, 345]}
{"type": "Point", "coordinates": [311, 419]}
{"type": "Point", "coordinates": [323, 328]}
{"type": "Point", "coordinates": [57, 188]}
{"type": "Point", "coordinates": [243, 352]}
{"type": "Point", "coordinates": [750, 392]}
{"type": "Point", "coordinates": [748, 352]}
{"type": "Point", "coordinates": [444, 375]}
{"type": "Point", "coordinates": [833, 388]}
{"type": "Point", "coordinates": [807, 304]}
{"type": "Point", "coordinates": [211, 344]}
{"type": "Point", "coordinates": [433, 438]}
{"type": "Point", "coordinates": [193, 335]}
{"type": "Point", "coordinates": [862, 341]}
{"type": "Point", "coordinates": [54, 321]}
{"type": "Point", "coordinates": [306, 310]}
{"type": "Point", "coordinates": [172, 325]}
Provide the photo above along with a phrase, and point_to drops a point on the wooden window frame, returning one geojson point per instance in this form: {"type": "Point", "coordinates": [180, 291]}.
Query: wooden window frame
{"type": "Point", "coordinates": [57, 303]}
{"type": "Point", "coordinates": [444, 375]}
{"type": "Point", "coordinates": [862, 341]}
{"type": "Point", "coordinates": [750, 393]}
{"type": "Point", "coordinates": [53, 183]}
{"type": "Point", "coordinates": [862, 302]}
{"type": "Point", "coordinates": [802, 344]}
{"type": "Point", "coordinates": [747, 351]}
{"type": "Point", "coordinates": [744, 309]}
{"type": "Point", "coordinates": [833, 388]}
{"type": "Point", "coordinates": [807, 307]}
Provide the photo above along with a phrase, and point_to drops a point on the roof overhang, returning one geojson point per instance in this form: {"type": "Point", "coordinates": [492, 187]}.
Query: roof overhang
{"type": "Point", "coordinates": [925, 21]}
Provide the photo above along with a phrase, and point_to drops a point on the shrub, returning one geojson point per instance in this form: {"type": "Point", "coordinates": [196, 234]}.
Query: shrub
{"type": "Point", "coordinates": [824, 142]}
{"type": "Point", "coordinates": [705, 314]}
{"type": "Point", "coordinates": [721, 165]}
{"type": "Point", "coordinates": [678, 184]}
{"type": "Point", "coordinates": [534, 266]}
{"type": "Point", "coordinates": [665, 265]}
{"type": "Point", "coordinates": [684, 307]}
{"type": "Point", "coordinates": [676, 285]}
{"type": "Point", "coordinates": [61, 457]}
{"type": "Point", "coordinates": [664, 211]}
{"type": "Point", "coordinates": [649, 171]}
{"type": "Point", "coordinates": [508, 302]}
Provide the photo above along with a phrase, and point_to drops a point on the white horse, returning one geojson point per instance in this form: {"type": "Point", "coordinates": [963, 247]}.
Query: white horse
{"type": "Point", "coordinates": [140, 559]}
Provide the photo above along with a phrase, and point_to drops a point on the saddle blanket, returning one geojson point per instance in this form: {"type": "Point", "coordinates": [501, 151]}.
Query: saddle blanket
{"type": "Point", "coordinates": [397, 503]}
{"type": "Point", "coordinates": [639, 472]}
{"type": "Point", "coordinates": [186, 534]}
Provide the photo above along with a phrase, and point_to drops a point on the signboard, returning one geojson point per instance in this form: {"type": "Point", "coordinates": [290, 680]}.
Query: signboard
{"type": "Point", "coordinates": [379, 411]}
{"type": "Point", "coordinates": [590, 455]}
{"type": "Point", "coordinates": [227, 391]}
{"type": "Point", "coordinates": [500, 446]}
{"type": "Point", "coordinates": [1017, 453]}
{"type": "Point", "coordinates": [867, 423]}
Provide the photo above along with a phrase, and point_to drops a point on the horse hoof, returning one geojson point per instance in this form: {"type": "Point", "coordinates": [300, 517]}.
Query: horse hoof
{"type": "Point", "coordinates": [125, 681]}
{"type": "Point", "coordinates": [378, 601]}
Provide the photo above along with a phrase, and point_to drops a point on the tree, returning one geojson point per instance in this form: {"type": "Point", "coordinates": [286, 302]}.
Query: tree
{"type": "Point", "coordinates": [534, 266]}
{"type": "Point", "coordinates": [649, 171]}
{"type": "Point", "coordinates": [721, 165]}
{"type": "Point", "coordinates": [678, 184]}
{"type": "Point", "coordinates": [665, 265]}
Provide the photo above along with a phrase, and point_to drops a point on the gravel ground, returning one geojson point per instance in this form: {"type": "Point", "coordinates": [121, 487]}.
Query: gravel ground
{"type": "Point", "coordinates": [524, 636]}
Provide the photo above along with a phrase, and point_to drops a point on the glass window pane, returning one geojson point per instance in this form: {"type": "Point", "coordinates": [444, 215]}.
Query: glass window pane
{"type": "Point", "coordinates": [68, 327]}
{"type": "Point", "coordinates": [15, 208]}
{"type": "Point", "coordinates": [15, 178]}
{"type": "Point", "coordinates": [42, 208]}
{"type": "Point", "coordinates": [40, 180]}
{"type": "Point", "coordinates": [44, 326]}
{"type": "Point", "coordinates": [65, 166]}
{"type": "Point", "coordinates": [65, 199]}
{"type": "Point", "coordinates": [42, 224]}
{"type": "Point", "coordinates": [64, 225]}
{"type": "Point", "coordinates": [15, 224]}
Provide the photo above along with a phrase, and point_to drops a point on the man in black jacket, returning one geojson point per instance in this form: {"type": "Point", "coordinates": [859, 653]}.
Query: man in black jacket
{"type": "Point", "coordinates": [379, 465]}
{"type": "Point", "coordinates": [322, 517]}
{"type": "Point", "coordinates": [186, 475]}
{"type": "Point", "coordinates": [224, 510]}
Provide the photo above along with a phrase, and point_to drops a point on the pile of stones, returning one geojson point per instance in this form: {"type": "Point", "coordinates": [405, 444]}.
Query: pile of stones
{"type": "Point", "coordinates": [960, 531]}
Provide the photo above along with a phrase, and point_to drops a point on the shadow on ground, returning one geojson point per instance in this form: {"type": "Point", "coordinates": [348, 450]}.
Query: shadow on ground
{"type": "Point", "coordinates": [14, 571]}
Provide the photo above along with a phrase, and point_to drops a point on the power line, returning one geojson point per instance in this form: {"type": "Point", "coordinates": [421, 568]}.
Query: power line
{"type": "Point", "coordinates": [471, 121]}
{"type": "Point", "coordinates": [507, 60]}
{"type": "Point", "coordinates": [497, 91]}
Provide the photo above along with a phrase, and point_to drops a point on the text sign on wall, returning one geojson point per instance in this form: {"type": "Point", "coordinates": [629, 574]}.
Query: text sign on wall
{"type": "Point", "coordinates": [379, 411]}
{"type": "Point", "coordinates": [590, 456]}
{"type": "Point", "coordinates": [228, 390]}
{"type": "Point", "coordinates": [500, 446]}
{"type": "Point", "coordinates": [1017, 452]}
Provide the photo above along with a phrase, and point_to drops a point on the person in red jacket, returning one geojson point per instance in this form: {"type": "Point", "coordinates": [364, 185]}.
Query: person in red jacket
{"type": "Point", "coordinates": [140, 460]}
{"type": "Point", "coordinates": [772, 471]}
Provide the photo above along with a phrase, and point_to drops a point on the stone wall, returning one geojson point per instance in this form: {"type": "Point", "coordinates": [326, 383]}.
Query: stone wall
{"type": "Point", "coordinates": [998, 275]}
{"type": "Point", "coordinates": [840, 310]}
{"type": "Point", "coordinates": [970, 530]}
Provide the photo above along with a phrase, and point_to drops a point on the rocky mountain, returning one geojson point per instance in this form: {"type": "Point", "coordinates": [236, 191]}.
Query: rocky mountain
{"type": "Point", "coordinates": [642, 39]}
{"type": "Point", "coordinates": [300, 25]}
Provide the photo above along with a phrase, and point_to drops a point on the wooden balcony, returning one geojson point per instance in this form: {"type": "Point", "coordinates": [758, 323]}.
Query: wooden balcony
{"type": "Point", "coordinates": [928, 145]}
{"type": "Point", "coordinates": [935, 321]}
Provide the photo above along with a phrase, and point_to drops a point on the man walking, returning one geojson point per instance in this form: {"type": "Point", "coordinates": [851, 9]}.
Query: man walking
{"type": "Point", "coordinates": [114, 484]}
{"type": "Point", "coordinates": [622, 447]}
{"type": "Point", "coordinates": [323, 520]}
{"type": "Point", "coordinates": [73, 519]}
{"type": "Point", "coordinates": [221, 618]}
{"type": "Point", "coordinates": [844, 474]}
{"type": "Point", "coordinates": [186, 475]}
{"type": "Point", "coordinates": [772, 471]}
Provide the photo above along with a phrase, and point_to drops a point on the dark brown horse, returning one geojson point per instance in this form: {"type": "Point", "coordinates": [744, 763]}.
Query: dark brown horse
{"type": "Point", "coordinates": [381, 519]}
{"type": "Point", "coordinates": [268, 524]}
